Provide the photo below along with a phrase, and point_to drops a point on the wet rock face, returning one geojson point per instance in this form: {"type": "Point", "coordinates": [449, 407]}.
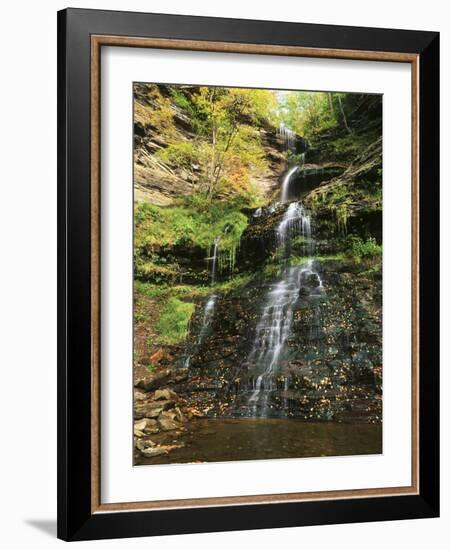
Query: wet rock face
{"type": "Point", "coordinates": [310, 176]}
{"type": "Point", "coordinates": [259, 239]}
{"type": "Point", "coordinates": [351, 202]}
{"type": "Point", "coordinates": [332, 366]}
{"type": "Point", "coordinates": [229, 334]}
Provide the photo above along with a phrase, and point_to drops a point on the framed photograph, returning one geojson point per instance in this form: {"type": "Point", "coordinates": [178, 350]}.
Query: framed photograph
{"type": "Point", "coordinates": [248, 274]}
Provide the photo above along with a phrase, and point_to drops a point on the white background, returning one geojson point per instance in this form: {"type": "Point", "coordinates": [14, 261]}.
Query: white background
{"type": "Point", "coordinates": [122, 483]}
{"type": "Point", "coordinates": [28, 289]}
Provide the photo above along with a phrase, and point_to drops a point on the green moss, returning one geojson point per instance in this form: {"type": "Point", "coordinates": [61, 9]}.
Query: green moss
{"type": "Point", "coordinates": [373, 271]}
{"type": "Point", "coordinates": [157, 272]}
{"type": "Point", "coordinates": [299, 260]}
{"type": "Point", "coordinates": [192, 224]}
{"type": "Point", "coordinates": [164, 291]}
{"type": "Point", "coordinates": [234, 282]}
{"type": "Point", "coordinates": [172, 326]}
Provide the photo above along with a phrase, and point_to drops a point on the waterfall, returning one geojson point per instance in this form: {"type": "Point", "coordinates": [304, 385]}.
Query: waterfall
{"type": "Point", "coordinates": [207, 316]}
{"type": "Point", "coordinates": [288, 137]}
{"type": "Point", "coordinates": [214, 259]}
{"type": "Point", "coordinates": [286, 183]}
{"type": "Point", "coordinates": [274, 326]}
{"type": "Point", "coordinates": [258, 213]}
{"type": "Point", "coordinates": [209, 305]}
{"type": "Point", "coordinates": [295, 222]}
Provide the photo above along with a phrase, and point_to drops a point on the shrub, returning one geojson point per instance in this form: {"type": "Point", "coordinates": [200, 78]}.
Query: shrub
{"type": "Point", "coordinates": [364, 249]}
{"type": "Point", "coordinates": [184, 153]}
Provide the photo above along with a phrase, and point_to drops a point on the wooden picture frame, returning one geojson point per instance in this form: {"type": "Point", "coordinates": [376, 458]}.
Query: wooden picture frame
{"type": "Point", "coordinates": [81, 35]}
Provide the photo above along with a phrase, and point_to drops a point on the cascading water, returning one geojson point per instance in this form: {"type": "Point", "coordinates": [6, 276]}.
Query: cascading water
{"type": "Point", "coordinates": [209, 307]}
{"type": "Point", "coordinates": [286, 183]}
{"type": "Point", "coordinates": [214, 259]}
{"type": "Point", "coordinates": [288, 137]}
{"type": "Point", "coordinates": [274, 326]}
{"type": "Point", "coordinates": [295, 222]}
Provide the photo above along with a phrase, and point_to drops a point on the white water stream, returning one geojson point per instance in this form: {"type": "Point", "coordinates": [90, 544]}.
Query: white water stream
{"type": "Point", "coordinates": [275, 322]}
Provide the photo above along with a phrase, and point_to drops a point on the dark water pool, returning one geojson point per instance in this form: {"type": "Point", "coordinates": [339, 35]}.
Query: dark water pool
{"type": "Point", "coordinates": [217, 440]}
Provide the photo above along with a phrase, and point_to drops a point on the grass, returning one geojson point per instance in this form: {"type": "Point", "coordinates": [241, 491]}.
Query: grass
{"type": "Point", "coordinates": [299, 260]}
{"type": "Point", "coordinates": [172, 326]}
{"type": "Point", "coordinates": [184, 292]}
{"type": "Point", "coordinates": [161, 233]}
{"type": "Point", "coordinates": [189, 224]}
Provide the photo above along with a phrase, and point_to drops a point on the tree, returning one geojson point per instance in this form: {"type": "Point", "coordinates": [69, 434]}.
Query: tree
{"type": "Point", "coordinates": [308, 113]}
{"type": "Point", "coordinates": [224, 115]}
{"type": "Point", "coordinates": [345, 122]}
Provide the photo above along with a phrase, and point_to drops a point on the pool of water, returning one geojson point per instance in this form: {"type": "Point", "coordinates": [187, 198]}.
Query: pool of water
{"type": "Point", "coordinates": [218, 440]}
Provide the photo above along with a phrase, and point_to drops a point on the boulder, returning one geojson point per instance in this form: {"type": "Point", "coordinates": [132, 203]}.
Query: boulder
{"type": "Point", "coordinates": [180, 375]}
{"type": "Point", "coordinates": [179, 416]}
{"type": "Point", "coordinates": [166, 424]}
{"type": "Point", "coordinates": [157, 356]}
{"type": "Point", "coordinates": [168, 421]}
{"type": "Point", "coordinates": [140, 444]}
{"type": "Point", "coordinates": [146, 426]}
{"type": "Point", "coordinates": [148, 410]}
{"type": "Point", "coordinates": [165, 394]}
{"type": "Point", "coordinates": [153, 381]}
{"type": "Point", "coordinates": [139, 395]}
{"type": "Point", "coordinates": [150, 452]}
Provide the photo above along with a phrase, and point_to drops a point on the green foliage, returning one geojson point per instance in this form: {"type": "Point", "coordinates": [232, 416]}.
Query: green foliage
{"type": "Point", "coordinates": [181, 154]}
{"type": "Point", "coordinates": [192, 224]}
{"type": "Point", "coordinates": [141, 316]}
{"type": "Point", "coordinates": [308, 113]}
{"type": "Point", "coordinates": [338, 198]}
{"type": "Point", "coordinates": [361, 249]}
{"type": "Point", "coordinates": [153, 109]}
{"type": "Point", "coordinates": [224, 121]}
{"type": "Point", "coordinates": [172, 326]}
{"type": "Point", "coordinates": [234, 282]}
{"type": "Point", "coordinates": [153, 270]}
{"type": "Point", "coordinates": [312, 113]}
{"type": "Point", "coordinates": [348, 146]}
{"type": "Point", "coordinates": [181, 99]}
{"type": "Point", "coordinates": [188, 224]}
{"type": "Point", "coordinates": [374, 271]}
{"type": "Point", "coordinates": [299, 260]}
{"type": "Point", "coordinates": [226, 149]}
{"type": "Point", "coordinates": [193, 292]}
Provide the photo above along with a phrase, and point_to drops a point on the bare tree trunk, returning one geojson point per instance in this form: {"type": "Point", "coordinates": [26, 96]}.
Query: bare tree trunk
{"type": "Point", "coordinates": [344, 116]}
{"type": "Point", "coordinates": [331, 105]}
{"type": "Point", "coordinates": [211, 176]}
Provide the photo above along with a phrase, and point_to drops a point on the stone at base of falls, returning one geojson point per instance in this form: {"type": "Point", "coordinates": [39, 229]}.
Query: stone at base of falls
{"type": "Point", "coordinates": [165, 394]}
{"type": "Point", "coordinates": [171, 420]}
{"type": "Point", "coordinates": [153, 381]}
{"type": "Point", "coordinates": [167, 424]}
{"type": "Point", "coordinates": [150, 381]}
{"type": "Point", "coordinates": [139, 395]}
{"type": "Point", "coordinates": [145, 426]}
{"type": "Point", "coordinates": [151, 409]}
{"type": "Point", "coordinates": [150, 452]}
{"type": "Point", "coordinates": [312, 280]}
{"type": "Point", "coordinates": [150, 449]}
